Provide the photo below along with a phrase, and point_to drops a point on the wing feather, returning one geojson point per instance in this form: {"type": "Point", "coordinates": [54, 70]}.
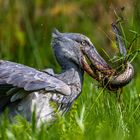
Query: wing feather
{"type": "Point", "coordinates": [30, 79]}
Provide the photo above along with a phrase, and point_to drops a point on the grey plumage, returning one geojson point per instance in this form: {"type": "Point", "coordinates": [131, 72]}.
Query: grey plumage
{"type": "Point", "coordinates": [23, 89]}
{"type": "Point", "coordinates": [30, 79]}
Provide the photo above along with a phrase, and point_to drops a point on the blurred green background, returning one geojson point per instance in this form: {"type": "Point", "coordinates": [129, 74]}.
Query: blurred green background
{"type": "Point", "coordinates": [25, 37]}
{"type": "Point", "coordinates": [26, 26]}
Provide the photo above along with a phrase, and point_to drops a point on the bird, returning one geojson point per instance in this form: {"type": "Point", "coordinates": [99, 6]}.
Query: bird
{"type": "Point", "coordinates": [24, 90]}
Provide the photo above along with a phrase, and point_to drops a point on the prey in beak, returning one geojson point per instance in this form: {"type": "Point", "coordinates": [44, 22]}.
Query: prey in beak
{"type": "Point", "coordinates": [101, 71]}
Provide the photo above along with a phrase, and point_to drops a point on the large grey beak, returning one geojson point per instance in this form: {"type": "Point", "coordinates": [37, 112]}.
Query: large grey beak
{"type": "Point", "coordinates": [108, 76]}
{"type": "Point", "coordinates": [97, 61]}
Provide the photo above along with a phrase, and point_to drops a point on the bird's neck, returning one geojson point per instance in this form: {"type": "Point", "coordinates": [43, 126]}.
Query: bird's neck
{"type": "Point", "coordinates": [73, 76]}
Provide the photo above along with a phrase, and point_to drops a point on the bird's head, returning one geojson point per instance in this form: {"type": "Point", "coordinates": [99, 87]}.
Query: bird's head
{"type": "Point", "coordinates": [76, 49]}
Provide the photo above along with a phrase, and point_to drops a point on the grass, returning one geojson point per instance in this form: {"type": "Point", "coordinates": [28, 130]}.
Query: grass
{"type": "Point", "coordinates": [95, 115]}
{"type": "Point", "coordinates": [25, 34]}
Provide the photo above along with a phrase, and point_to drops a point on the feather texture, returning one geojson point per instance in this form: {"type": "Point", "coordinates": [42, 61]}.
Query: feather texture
{"type": "Point", "coordinates": [30, 79]}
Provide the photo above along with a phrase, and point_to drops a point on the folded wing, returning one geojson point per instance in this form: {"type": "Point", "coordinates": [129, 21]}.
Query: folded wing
{"type": "Point", "coordinates": [29, 79]}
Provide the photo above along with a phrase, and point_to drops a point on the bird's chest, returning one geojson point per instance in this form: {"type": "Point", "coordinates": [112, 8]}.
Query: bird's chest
{"type": "Point", "coordinates": [74, 79]}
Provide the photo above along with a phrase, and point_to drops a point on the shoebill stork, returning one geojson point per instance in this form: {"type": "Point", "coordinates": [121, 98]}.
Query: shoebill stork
{"type": "Point", "coordinates": [23, 89]}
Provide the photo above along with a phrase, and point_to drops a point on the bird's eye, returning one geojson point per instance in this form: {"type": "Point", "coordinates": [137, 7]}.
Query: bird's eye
{"type": "Point", "coordinates": [83, 43]}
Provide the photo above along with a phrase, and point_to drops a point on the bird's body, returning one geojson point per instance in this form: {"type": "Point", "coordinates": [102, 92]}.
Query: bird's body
{"type": "Point", "coordinates": [24, 89]}
{"type": "Point", "coordinates": [23, 103]}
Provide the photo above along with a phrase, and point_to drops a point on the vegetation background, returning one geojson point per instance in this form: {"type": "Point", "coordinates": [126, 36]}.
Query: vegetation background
{"type": "Point", "coordinates": [25, 36]}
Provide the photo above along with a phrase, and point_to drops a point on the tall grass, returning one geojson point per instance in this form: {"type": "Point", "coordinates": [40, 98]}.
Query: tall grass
{"type": "Point", "coordinates": [95, 115]}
